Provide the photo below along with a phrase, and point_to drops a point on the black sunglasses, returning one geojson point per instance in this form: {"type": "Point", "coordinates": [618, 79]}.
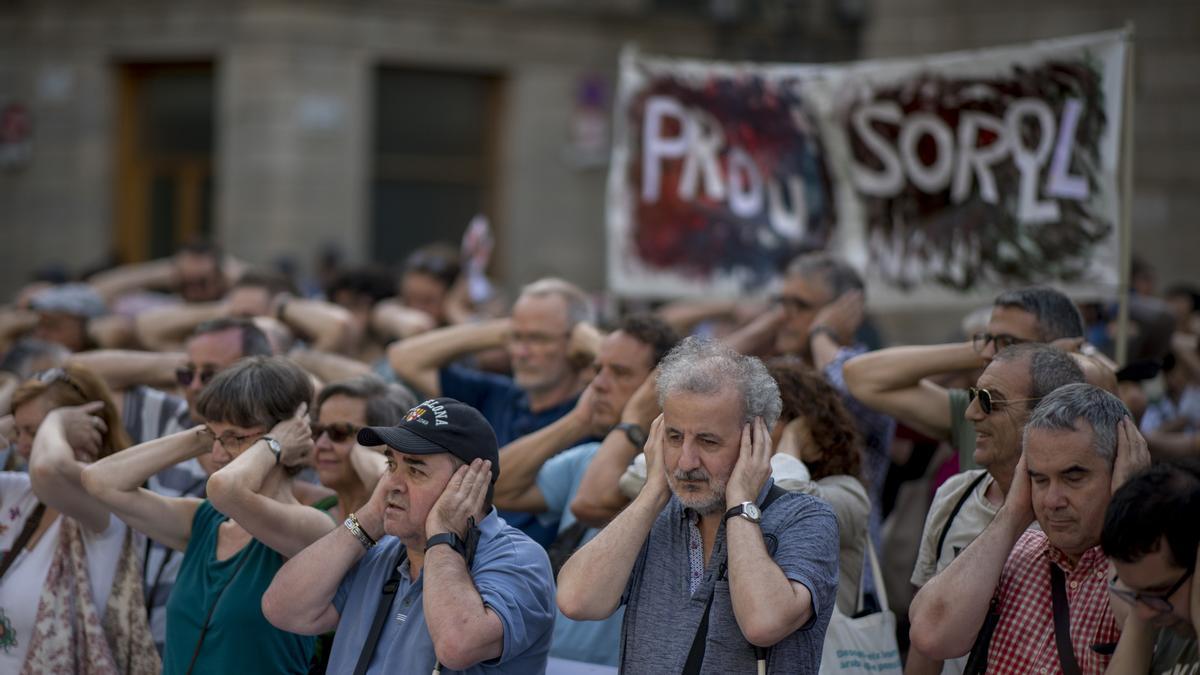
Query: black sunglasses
{"type": "Point", "coordinates": [338, 432]}
{"type": "Point", "coordinates": [1158, 602]}
{"type": "Point", "coordinates": [980, 341]}
{"type": "Point", "coordinates": [988, 403]}
{"type": "Point", "coordinates": [185, 375]}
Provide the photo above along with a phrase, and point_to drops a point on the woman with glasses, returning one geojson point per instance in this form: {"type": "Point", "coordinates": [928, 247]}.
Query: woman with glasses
{"type": "Point", "coordinates": [70, 578]}
{"type": "Point", "coordinates": [254, 411]}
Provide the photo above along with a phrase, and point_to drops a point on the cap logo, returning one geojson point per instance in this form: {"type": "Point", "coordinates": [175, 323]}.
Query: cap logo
{"type": "Point", "coordinates": [417, 414]}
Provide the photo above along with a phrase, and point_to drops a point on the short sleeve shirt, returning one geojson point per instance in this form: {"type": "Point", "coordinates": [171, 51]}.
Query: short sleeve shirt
{"type": "Point", "coordinates": [1174, 654]}
{"type": "Point", "coordinates": [502, 402]}
{"type": "Point", "coordinates": [975, 515]}
{"type": "Point", "coordinates": [512, 574]}
{"type": "Point", "coordinates": [662, 616]}
{"type": "Point", "coordinates": [588, 641]}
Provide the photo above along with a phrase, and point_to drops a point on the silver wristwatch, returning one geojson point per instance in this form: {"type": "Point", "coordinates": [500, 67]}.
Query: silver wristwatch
{"type": "Point", "coordinates": [275, 447]}
{"type": "Point", "coordinates": [747, 510]}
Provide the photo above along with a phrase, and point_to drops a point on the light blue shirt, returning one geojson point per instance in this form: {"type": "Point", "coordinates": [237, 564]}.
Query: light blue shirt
{"type": "Point", "coordinates": [590, 641]}
{"type": "Point", "coordinates": [512, 574]}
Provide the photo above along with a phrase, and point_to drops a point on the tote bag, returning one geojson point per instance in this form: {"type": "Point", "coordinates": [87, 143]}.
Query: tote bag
{"type": "Point", "coordinates": [866, 645]}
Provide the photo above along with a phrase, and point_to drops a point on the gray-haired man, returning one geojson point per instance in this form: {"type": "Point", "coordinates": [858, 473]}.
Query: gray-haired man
{"type": "Point", "coordinates": [760, 567]}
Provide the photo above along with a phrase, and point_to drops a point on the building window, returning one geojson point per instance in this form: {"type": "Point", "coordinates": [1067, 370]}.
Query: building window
{"type": "Point", "coordinates": [434, 153]}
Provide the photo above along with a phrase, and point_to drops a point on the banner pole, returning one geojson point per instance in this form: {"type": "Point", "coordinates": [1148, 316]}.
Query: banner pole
{"type": "Point", "coordinates": [1126, 223]}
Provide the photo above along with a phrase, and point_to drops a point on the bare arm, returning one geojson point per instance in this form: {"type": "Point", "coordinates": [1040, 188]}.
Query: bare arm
{"type": "Point", "coordinates": [919, 664]}
{"type": "Point", "coordinates": [1135, 648]}
{"type": "Point", "coordinates": [464, 630]}
{"type": "Point", "coordinates": [328, 366]}
{"type": "Point", "coordinates": [592, 581]}
{"type": "Point", "coordinates": [599, 499]}
{"type": "Point", "coordinates": [893, 382]}
{"type": "Point", "coordinates": [392, 319]}
{"type": "Point", "coordinates": [948, 610]}
{"type": "Point", "coordinates": [683, 315]}
{"type": "Point", "coordinates": [418, 359]}
{"type": "Point", "coordinates": [126, 368]}
{"type": "Point", "coordinates": [55, 472]}
{"type": "Point", "coordinates": [117, 482]}
{"type": "Point", "coordinates": [286, 526]}
{"type": "Point", "coordinates": [516, 489]}
{"type": "Point", "coordinates": [1173, 445]}
{"type": "Point", "coordinates": [758, 336]}
{"type": "Point", "coordinates": [165, 328]}
{"type": "Point", "coordinates": [369, 465]}
{"type": "Point", "coordinates": [112, 284]}
{"type": "Point", "coordinates": [327, 325]}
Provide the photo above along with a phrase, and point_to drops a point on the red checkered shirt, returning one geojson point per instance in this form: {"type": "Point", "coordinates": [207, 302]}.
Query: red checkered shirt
{"type": "Point", "coordinates": [1024, 639]}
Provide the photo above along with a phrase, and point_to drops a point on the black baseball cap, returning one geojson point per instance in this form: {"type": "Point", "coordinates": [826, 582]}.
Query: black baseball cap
{"type": "Point", "coordinates": [440, 425]}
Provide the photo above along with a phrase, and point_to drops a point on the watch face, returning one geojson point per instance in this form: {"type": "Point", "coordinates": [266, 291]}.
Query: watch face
{"type": "Point", "coordinates": [752, 511]}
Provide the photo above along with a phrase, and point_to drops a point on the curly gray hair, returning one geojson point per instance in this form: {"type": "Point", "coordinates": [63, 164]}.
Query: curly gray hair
{"type": "Point", "coordinates": [706, 366]}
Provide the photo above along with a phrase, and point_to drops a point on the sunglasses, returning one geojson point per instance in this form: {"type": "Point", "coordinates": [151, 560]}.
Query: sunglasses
{"type": "Point", "coordinates": [185, 375]}
{"type": "Point", "coordinates": [980, 341]}
{"type": "Point", "coordinates": [339, 432]}
{"type": "Point", "coordinates": [1155, 601]}
{"type": "Point", "coordinates": [57, 374]}
{"type": "Point", "coordinates": [988, 403]}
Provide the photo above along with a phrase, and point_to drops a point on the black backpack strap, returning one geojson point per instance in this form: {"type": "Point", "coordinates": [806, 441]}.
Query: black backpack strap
{"type": "Point", "coordinates": [977, 662]}
{"type": "Point", "coordinates": [381, 613]}
{"type": "Point", "coordinates": [1062, 621]}
{"type": "Point", "coordinates": [953, 513]}
{"type": "Point", "coordinates": [695, 657]}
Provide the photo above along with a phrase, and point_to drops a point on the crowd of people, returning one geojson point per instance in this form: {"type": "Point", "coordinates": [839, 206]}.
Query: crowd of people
{"type": "Point", "coordinates": [213, 468]}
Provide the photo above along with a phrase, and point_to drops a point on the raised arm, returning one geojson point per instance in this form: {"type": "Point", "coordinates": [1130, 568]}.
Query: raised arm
{"type": "Point", "coordinates": [326, 325]}
{"type": "Point", "coordinates": [117, 482]}
{"type": "Point", "coordinates": [287, 527]}
{"type": "Point", "coordinates": [112, 284]}
{"type": "Point", "coordinates": [592, 581]}
{"type": "Point", "coordinates": [300, 598]}
{"type": "Point", "coordinates": [757, 338]}
{"type": "Point", "coordinates": [418, 359]}
{"type": "Point", "coordinates": [947, 612]}
{"type": "Point", "coordinates": [368, 465]}
{"type": "Point", "coordinates": [54, 469]}
{"type": "Point", "coordinates": [328, 366]}
{"type": "Point", "coordinates": [127, 368]}
{"type": "Point", "coordinates": [599, 498]}
{"type": "Point", "coordinates": [165, 328]}
{"type": "Point", "coordinates": [893, 381]}
{"type": "Point", "coordinates": [516, 488]}
{"type": "Point", "coordinates": [394, 321]}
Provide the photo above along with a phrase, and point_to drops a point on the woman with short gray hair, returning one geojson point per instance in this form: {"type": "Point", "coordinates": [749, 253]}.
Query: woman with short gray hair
{"type": "Point", "coordinates": [255, 413]}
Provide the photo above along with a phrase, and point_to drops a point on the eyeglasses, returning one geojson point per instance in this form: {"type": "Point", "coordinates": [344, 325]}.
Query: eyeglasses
{"type": "Point", "coordinates": [1158, 602]}
{"type": "Point", "coordinates": [793, 303]}
{"type": "Point", "coordinates": [537, 339]}
{"type": "Point", "coordinates": [185, 375]}
{"type": "Point", "coordinates": [232, 441]}
{"type": "Point", "coordinates": [57, 374]}
{"type": "Point", "coordinates": [988, 403]}
{"type": "Point", "coordinates": [338, 432]}
{"type": "Point", "coordinates": [980, 341]}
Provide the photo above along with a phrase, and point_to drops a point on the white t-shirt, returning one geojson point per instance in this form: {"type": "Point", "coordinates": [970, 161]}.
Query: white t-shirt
{"type": "Point", "coordinates": [21, 587]}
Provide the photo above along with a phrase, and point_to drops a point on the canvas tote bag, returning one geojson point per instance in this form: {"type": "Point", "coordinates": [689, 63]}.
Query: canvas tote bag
{"type": "Point", "coordinates": [865, 645]}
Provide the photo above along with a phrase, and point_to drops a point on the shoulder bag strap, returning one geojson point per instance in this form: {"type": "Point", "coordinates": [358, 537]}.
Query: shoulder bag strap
{"type": "Point", "coordinates": [977, 661]}
{"type": "Point", "coordinates": [31, 524]}
{"type": "Point", "coordinates": [381, 613]}
{"type": "Point", "coordinates": [953, 513]}
{"type": "Point", "coordinates": [1062, 621]}
{"type": "Point", "coordinates": [208, 619]}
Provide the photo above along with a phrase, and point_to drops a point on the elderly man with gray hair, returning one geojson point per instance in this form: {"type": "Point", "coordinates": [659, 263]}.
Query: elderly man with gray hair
{"type": "Point", "coordinates": [1036, 600]}
{"type": "Point", "coordinates": [758, 565]}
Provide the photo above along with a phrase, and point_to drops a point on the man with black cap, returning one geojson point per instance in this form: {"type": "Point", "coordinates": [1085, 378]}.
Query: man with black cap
{"type": "Point", "coordinates": [451, 584]}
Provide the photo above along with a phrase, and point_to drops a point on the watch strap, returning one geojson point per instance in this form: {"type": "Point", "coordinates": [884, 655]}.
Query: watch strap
{"type": "Point", "coordinates": [634, 432]}
{"type": "Point", "coordinates": [274, 446]}
{"type": "Point", "coordinates": [450, 539]}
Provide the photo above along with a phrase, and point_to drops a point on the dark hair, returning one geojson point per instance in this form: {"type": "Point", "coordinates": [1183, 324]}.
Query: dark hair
{"type": "Point", "coordinates": [1056, 314]}
{"type": "Point", "coordinates": [650, 330]}
{"type": "Point", "coordinates": [254, 341]}
{"type": "Point", "coordinates": [386, 402]}
{"type": "Point", "coordinates": [839, 277]}
{"type": "Point", "coordinates": [201, 247]}
{"type": "Point", "coordinates": [808, 395]}
{"type": "Point", "coordinates": [19, 359]}
{"type": "Point", "coordinates": [1049, 368]}
{"type": "Point", "coordinates": [259, 391]}
{"type": "Point", "coordinates": [1192, 293]}
{"type": "Point", "coordinates": [437, 260]}
{"type": "Point", "coordinates": [1162, 501]}
{"type": "Point", "coordinates": [372, 282]}
{"type": "Point", "coordinates": [273, 282]}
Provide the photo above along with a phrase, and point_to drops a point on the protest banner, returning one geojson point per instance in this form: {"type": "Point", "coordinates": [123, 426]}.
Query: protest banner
{"type": "Point", "coordinates": [943, 178]}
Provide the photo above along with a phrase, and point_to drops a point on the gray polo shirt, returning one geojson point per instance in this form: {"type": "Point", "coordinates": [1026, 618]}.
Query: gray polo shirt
{"type": "Point", "coordinates": [512, 574]}
{"type": "Point", "coordinates": [662, 617]}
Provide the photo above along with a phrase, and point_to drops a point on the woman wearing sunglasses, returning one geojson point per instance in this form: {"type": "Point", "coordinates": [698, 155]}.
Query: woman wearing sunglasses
{"type": "Point", "coordinates": [255, 414]}
{"type": "Point", "coordinates": [70, 577]}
